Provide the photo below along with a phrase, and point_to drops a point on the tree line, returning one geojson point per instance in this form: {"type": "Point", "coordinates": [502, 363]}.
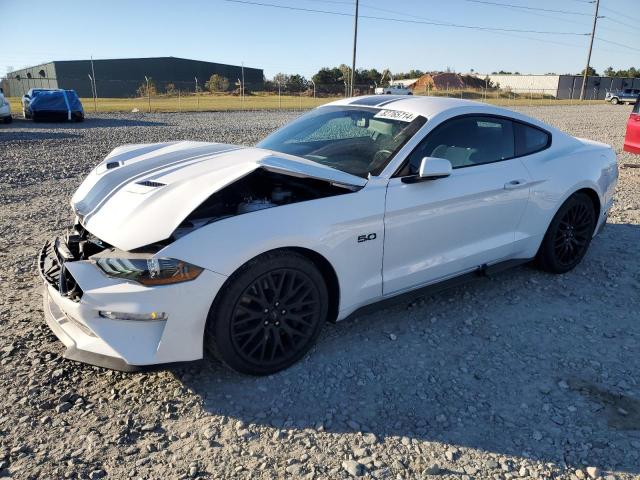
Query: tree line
{"type": "Point", "coordinates": [336, 79]}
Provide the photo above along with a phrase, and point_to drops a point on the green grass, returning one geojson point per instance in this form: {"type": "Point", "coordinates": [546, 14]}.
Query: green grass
{"type": "Point", "coordinates": [265, 101]}
{"type": "Point", "coordinates": [193, 103]}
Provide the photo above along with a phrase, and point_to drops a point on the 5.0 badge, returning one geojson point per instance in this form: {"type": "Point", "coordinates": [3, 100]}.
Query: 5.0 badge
{"type": "Point", "coordinates": [365, 238]}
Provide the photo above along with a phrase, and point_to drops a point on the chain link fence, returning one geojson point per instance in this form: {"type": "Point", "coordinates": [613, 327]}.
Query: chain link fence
{"type": "Point", "coordinates": [151, 95]}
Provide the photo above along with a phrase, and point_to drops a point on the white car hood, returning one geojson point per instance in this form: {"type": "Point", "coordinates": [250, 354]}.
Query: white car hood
{"type": "Point", "coordinates": [139, 194]}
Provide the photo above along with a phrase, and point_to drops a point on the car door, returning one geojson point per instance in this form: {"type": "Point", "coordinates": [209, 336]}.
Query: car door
{"type": "Point", "coordinates": [437, 229]}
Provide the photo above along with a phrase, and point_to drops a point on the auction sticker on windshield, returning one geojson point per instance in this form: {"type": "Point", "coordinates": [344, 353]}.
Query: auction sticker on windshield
{"type": "Point", "coordinates": [396, 115]}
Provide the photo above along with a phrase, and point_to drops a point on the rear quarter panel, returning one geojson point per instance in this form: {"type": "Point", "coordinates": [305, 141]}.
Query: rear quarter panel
{"type": "Point", "coordinates": [569, 165]}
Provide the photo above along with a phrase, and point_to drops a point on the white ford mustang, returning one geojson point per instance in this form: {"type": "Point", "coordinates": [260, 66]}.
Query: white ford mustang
{"type": "Point", "coordinates": [184, 246]}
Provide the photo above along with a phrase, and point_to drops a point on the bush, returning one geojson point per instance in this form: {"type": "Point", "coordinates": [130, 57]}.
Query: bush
{"type": "Point", "coordinates": [170, 89]}
{"type": "Point", "coordinates": [142, 89]}
{"type": "Point", "coordinates": [217, 83]}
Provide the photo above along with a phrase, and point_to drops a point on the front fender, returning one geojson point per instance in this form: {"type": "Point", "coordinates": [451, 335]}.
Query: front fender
{"type": "Point", "coordinates": [328, 226]}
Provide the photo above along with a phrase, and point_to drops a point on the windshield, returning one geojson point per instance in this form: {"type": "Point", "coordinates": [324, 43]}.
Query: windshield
{"type": "Point", "coordinates": [359, 141]}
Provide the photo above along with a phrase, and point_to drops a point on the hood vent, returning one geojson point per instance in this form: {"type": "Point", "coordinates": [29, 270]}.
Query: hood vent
{"type": "Point", "coordinates": [150, 184]}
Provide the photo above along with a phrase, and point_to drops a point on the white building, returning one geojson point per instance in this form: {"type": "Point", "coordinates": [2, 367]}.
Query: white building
{"type": "Point", "coordinates": [538, 84]}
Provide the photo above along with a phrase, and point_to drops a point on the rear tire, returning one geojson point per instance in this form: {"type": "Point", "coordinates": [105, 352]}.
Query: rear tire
{"type": "Point", "coordinates": [269, 314]}
{"type": "Point", "coordinates": [568, 236]}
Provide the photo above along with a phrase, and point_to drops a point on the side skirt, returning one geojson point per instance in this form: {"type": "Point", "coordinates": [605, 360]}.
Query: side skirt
{"type": "Point", "coordinates": [481, 271]}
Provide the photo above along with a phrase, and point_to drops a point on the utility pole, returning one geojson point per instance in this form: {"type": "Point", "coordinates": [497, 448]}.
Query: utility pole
{"type": "Point", "coordinates": [148, 92]}
{"type": "Point", "coordinates": [355, 43]}
{"type": "Point", "coordinates": [279, 96]}
{"type": "Point", "coordinates": [197, 97]}
{"type": "Point", "coordinates": [93, 93]}
{"type": "Point", "coordinates": [242, 85]}
{"type": "Point", "coordinates": [95, 89]}
{"type": "Point", "coordinates": [586, 70]}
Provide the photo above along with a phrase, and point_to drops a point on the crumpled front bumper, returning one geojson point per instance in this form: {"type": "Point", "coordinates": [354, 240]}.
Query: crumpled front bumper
{"type": "Point", "coordinates": [128, 345]}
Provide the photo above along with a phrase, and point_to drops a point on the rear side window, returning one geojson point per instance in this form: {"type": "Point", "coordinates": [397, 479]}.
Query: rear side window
{"type": "Point", "coordinates": [530, 139]}
{"type": "Point", "coordinates": [466, 141]}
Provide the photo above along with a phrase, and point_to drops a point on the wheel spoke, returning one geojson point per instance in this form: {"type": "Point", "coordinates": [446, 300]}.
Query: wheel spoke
{"type": "Point", "coordinates": [252, 335]}
{"type": "Point", "coordinates": [299, 318]}
{"type": "Point", "coordinates": [277, 344]}
{"type": "Point", "coordinates": [301, 303]}
{"type": "Point", "coordinates": [253, 312]}
{"type": "Point", "coordinates": [293, 330]}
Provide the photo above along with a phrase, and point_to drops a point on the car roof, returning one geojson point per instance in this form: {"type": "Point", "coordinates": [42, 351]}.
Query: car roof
{"type": "Point", "coordinates": [417, 104]}
{"type": "Point", "coordinates": [430, 107]}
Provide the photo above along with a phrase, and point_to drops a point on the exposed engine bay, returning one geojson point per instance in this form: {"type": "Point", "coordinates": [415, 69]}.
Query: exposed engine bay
{"type": "Point", "coordinates": [259, 190]}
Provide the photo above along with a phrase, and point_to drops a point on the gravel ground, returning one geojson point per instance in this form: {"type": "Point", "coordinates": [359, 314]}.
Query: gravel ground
{"type": "Point", "coordinates": [520, 375]}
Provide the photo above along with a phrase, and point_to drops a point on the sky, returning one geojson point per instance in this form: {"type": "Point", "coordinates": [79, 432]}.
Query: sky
{"type": "Point", "coordinates": [404, 34]}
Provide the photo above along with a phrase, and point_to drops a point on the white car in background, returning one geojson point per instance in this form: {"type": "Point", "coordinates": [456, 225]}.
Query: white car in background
{"type": "Point", "coordinates": [5, 109]}
{"type": "Point", "coordinates": [397, 89]}
{"type": "Point", "coordinates": [247, 252]}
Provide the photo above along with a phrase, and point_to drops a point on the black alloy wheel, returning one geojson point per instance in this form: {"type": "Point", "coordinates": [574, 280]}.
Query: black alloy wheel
{"type": "Point", "coordinates": [573, 233]}
{"type": "Point", "coordinates": [269, 315]}
{"type": "Point", "coordinates": [569, 235]}
{"type": "Point", "coordinates": [275, 317]}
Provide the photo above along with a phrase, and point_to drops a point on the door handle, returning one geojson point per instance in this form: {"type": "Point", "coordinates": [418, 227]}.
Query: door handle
{"type": "Point", "coordinates": [513, 184]}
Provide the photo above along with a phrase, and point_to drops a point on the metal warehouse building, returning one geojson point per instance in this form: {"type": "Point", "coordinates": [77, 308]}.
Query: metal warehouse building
{"type": "Point", "coordinates": [122, 77]}
{"type": "Point", "coordinates": [563, 86]}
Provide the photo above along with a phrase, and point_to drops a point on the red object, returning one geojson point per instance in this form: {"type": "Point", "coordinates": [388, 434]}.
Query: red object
{"type": "Point", "coordinates": [632, 139]}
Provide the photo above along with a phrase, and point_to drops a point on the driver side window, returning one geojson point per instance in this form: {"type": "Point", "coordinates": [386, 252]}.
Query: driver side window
{"type": "Point", "coordinates": [465, 142]}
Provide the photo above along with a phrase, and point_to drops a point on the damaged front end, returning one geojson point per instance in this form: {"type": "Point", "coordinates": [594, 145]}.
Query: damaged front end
{"type": "Point", "coordinates": [122, 310]}
{"type": "Point", "coordinates": [77, 244]}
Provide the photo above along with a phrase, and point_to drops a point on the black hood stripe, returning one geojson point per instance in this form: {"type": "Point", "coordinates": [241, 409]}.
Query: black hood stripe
{"type": "Point", "coordinates": [377, 100]}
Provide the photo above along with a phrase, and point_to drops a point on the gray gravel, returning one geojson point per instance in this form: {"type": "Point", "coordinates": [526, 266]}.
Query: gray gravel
{"type": "Point", "coordinates": [521, 375]}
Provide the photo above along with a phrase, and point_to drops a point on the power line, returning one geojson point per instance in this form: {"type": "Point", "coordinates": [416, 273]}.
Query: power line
{"type": "Point", "coordinates": [511, 5]}
{"type": "Point", "coordinates": [618, 22]}
{"type": "Point", "coordinates": [620, 14]}
{"type": "Point", "coordinates": [618, 44]}
{"type": "Point", "coordinates": [400, 20]}
{"type": "Point", "coordinates": [396, 12]}
{"type": "Point", "coordinates": [556, 18]}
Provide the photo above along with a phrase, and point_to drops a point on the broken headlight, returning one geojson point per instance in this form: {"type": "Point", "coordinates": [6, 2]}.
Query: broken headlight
{"type": "Point", "coordinates": [149, 271]}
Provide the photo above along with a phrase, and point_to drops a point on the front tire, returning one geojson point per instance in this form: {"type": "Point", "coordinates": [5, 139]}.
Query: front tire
{"type": "Point", "coordinates": [615, 101]}
{"type": "Point", "coordinates": [269, 314]}
{"type": "Point", "coordinates": [568, 236]}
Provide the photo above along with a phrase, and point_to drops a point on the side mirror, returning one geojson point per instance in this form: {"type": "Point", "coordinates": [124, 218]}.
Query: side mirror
{"type": "Point", "coordinates": [431, 168]}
